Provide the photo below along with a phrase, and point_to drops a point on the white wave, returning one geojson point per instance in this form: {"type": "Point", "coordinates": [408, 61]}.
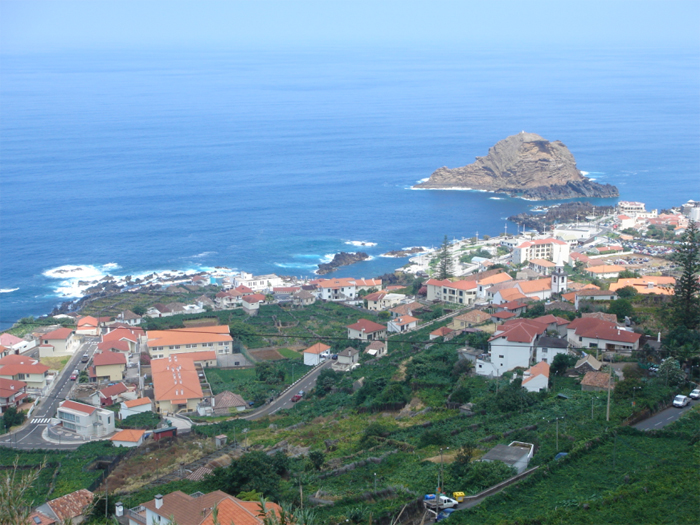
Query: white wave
{"type": "Point", "coordinates": [361, 243]}
{"type": "Point", "coordinates": [200, 255]}
{"type": "Point", "coordinates": [70, 271]}
{"type": "Point", "coordinates": [423, 180]}
{"type": "Point", "coordinates": [591, 178]}
{"type": "Point", "coordinates": [313, 256]}
{"type": "Point", "coordinates": [327, 258]}
{"type": "Point", "coordinates": [109, 266]}
{"type": "Point", "coordinates": [584, 173]}
{"type": "Point", "coordinates": [8, 290]}
{"type": "Point", "coordinates": [301, 266]}
{"type": "Point", "coordinates": [452, 189]}
{"type": "Point", "coordinates": [496, 198]}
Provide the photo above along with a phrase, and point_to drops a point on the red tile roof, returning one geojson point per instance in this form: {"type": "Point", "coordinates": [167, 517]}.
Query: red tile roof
{"type": "Point", "coordinates": [318, 348]}
{"type": "Point", "coordinates": [71, 505]}
{"type": "Point", "coordinates": [60, 333]}
{"type": "Point", "coordinates": [9, 387]}
{"type": "Point", "coordinates": [367, 326]}
{"type": "Point", "coordinates": [114, 390]}
{"type": "Point", "coordinates": [128, 435]}
{"type": "Point", "coordinates": [254, 298]}
{"type": "Point", "coordinates": [109, 358]}
{"type": "Point", "coordinates": [79, 407]}
{"type": "Point", "coordinates": [137, 402]}
{"type": "Point", "coordinates": [107, 346]}
{"type": "Point", "coordinates": [540, 368]}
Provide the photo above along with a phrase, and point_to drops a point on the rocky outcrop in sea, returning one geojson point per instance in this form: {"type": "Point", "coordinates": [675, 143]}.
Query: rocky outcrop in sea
{"type": "Point", "coordinates": [523, 165]}
{"type": "Point", "coordinates": [341, 259]}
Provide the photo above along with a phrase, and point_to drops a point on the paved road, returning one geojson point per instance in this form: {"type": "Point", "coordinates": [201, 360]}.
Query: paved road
{"type": "Point", "coordinates": [29, 436]}
{"type": "Point", "coordinates": [284, 401]}
{"type": "Point", "coordinates": [664, 417]}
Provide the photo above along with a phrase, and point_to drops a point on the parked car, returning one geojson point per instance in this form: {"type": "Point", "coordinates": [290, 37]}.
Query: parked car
{"type": "Point", "coordinates": [439, 501]}
{"type": "Point", "coordinates": [334, 357]}
{"type": "Point", "coordinates": [74, 375]}
{"type": "Point", "coordinates": [295, 398]}
{"type": "Point", "coordinates": [695, 394]}
{"type": "Point", "coordinates": [85, 358]}
{"type": "Point", "coordinates": [444, 514]}
{"type": "Point", "coordinates": [681, 401]}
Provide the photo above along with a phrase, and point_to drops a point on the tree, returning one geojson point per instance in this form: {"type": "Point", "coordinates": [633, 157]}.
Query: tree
{"type": "Point", "coordinates": [12, 417]}
{"type": "Point", "coordinates": [445, 269]}
{"type": "Point", "coordinates": [461, 394]}
{"type": "Point", "coordinates": [621, 308]}
{"type": "Point", "coordinates": [317, 459]}
{"type": "Point", "coordinates": [670, 372]}
{"type": "Point", "coordinates": [685, 305]}
{"type": "Point", "coordinates": [13, 488]}
{"type": "Point", "coordinates": [139, 310]}
{"type": "Point", "coordinates": [253, 471]}
{"type": "Point", "coordinates": [462, 463]}
{"type": "Point", "coordinates": [561, 363]}
{"type": "Point", "coordinates": [627, 292]}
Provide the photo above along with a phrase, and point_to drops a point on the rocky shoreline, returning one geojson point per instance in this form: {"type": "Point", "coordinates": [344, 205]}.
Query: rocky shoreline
{"type": "Point", "coordinates": [561, 213]}
{"type": "Point", "coordinates": [405, 252]}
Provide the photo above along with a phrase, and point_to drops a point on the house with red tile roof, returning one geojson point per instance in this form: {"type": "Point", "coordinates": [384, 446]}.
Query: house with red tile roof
{"type": "Point", "coordinates": [24, 368]}
{"type": "Point", "coordinates": [542, 266]}
{"type": "Point", "coordinates": [128, 438]}
{"type": "Point", "coordinates": [316, 354]}
{"type": "Point", "coordinates": [459, 292]}
{"type": "Point", "coordinates": [538, 289]}
{"type": "Point", "coordinates": [536, 378]}
{"type": "Point", "coordinates": [66, 509]}
{"type": "Point", "coordinates": [131, 407]}
{"type": "Point", "coordinates": [85, 420]}
{"type": "Point", "coordinates": [366, 330]}
{"type": "Point", "coordinates": [554, 323]}
{"type": "Point", "coordinates": [405, 323]}
{"type": "Point", "coordinates": [130, 336]}
{"type": "Point", "coordinates": [346, 288]}
{"type": "Point", "coordinates": [108, 366]}
{"type": "Point", "coordinates": [605, 271]}
{"type": "Point", "coordinates": [469, 319]}
{"type": "Point", "coordinates": [197, 509]}
{"type": "Point", "coordinates": [589, 332]}
{"type": "Point", "coordinates": [406, 309]}
{"type": "Point", "coordinates": [383, 300]}
{"type": "Point", "coordinates": [443, 331]}
{"type": "Point", "coordinates": [251, 303]}
{"type": "Point", "coordinates": [11, 393]}
{"type": "Point", "coordinates": [58, 343]}
{"type": "Point", "coordinates": [110, 395]}
{"type": "Point", "coordinates": [511, 346]}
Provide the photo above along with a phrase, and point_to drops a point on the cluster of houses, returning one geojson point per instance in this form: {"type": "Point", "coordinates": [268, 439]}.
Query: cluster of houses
{"type": "Point", "coordinates": [633, 215]}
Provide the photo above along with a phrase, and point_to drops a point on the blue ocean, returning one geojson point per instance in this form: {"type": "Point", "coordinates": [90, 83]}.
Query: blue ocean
{"type": "Point", "coordinates": [271, 160]}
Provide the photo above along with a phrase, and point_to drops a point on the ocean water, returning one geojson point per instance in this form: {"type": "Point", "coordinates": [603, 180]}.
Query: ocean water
{"type": "Point", "coordinates": [273, 160]}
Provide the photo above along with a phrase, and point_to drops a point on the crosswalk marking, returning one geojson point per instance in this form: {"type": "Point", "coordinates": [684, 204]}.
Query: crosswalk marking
{"type": "Point", "coordinates": [41, 420]}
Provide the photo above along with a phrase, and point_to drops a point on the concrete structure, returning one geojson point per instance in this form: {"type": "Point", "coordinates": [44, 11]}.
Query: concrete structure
{"type": "Point", "coordinates": [457, 292]}
{"type": "Point", "coordinates": [547, 348]}
{"type": "Point", "coordinates": [258, 283]}
{"type": "Point", "coordinates": [512, 346]}
{"type": "Point", "coordinates": [316, 354]}
{"type": "Point", "coordinates": [377, 349]}
{"type": "Point", "coordinates": [167, 343]}
{"type": "Point", "coordinates": [349, 357]}
{"type": "Point", "coordinates": [473, 318]}
{"type": "Point", "coordinates": [366, 330]}
{"type": "Point", "coordinates": [85, 420]}
{"type": "Point", "coordinates": [560, 280]}
{"type": "Point", "coordinates": [251, 303]}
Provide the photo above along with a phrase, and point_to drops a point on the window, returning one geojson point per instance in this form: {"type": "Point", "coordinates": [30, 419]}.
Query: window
{"type": "Point", "coordinates": [236, 363]}
{"type": "Point", "coordinates": [67, 416]}
{"type": "Point", "coordinates": [500, 357]}
{"type": "Point", "coordinates": [188, 346]}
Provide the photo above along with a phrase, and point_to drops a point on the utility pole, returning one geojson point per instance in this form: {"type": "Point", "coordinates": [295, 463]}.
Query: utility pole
{"type": "Point", "coordinates": [557, 434]}
{"type": "Point", "coordinates": [607, 414]}
{"type": "Point", "coordinates": [106, 497]}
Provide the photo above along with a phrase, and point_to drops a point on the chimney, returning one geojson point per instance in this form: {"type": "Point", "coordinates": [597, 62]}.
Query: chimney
{"type": "Point", "coordinates": [159, 500]}
{"type": "Point", "coordinates": [119, 509]}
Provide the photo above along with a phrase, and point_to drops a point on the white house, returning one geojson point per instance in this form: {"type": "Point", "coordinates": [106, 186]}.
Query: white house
{"type": "Point", "coordinates": [457, 292]}
{"type": "Point", "coordinates": [516, 455]}
{"type": "Point", "coordinates": [128, 438]}
{"type": "Point", "coordinates": [383, 300]}
{"type": "Point", "coordinates": [589, 332]}
{"type": "Point", "coordinates": [346, 289]}
{"type": "Point", "coordinates": [405, 323]}
{"type": "Point", "coordinates": [316, 354]}
{"type": "Point", "coordinates": [251, 303]}
{"type": "Point", "coordinates": [24, 368]}
{"type": "Point", "coordinates": [258, 283]}
{"type": "Point", "coordinates": [366, 330]}
{"type": "Point", "coordinates": [547, 348]}
{"type": "Point", "coordinates": [377, 348]}
{"type": "Point", "coordinates": [512, 346]}
{"type": "Point", "coordinates": [58, 343]}
{"type": "Point", "coordinates": [135, 406]}
{"type": "Point", "coordinates": [85, 420]}
{"type": "Point", "coordinates": [536, 378]}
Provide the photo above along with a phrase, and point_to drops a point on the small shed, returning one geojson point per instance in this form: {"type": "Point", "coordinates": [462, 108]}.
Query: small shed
{"type": "Point", "coordinates": [128, 438]}
{"type": "Point", "coordinates": [220, 440]}
{"type": "Point", "coordinates": [516, 455]}
{"type": "Point", "coordinates": [165, 432]}
{"type": "Point", "coordinates": [349, 356]}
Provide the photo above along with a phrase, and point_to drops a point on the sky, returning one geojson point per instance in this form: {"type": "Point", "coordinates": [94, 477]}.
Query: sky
{"type": "Point", "coordinates": [43, 26]}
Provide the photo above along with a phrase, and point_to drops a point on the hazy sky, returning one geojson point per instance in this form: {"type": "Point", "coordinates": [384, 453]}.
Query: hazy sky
{"type": "Point", "coordinates": [28, 25]}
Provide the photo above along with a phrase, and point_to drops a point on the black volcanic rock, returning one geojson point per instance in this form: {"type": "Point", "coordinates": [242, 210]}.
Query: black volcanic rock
{"type": "Point", "coordinates": [523, 165]}
{"type": "Point", "coordinates": [341, 259]}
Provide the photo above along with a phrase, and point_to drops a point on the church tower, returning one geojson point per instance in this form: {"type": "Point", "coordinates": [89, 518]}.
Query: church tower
{"type": "Point", "coordinates": [559, 280]}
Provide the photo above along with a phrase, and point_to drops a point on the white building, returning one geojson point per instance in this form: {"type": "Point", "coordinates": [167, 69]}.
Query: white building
{"type": "Point", "coordinates": [86, 420]}
{"type": "Point", "coordinates": [346, 289]}
{"type": "Point", "coordinates": [550, 249]}
{"type": "Point", "coordinates": [366, 330]}
{"type": "Point", "coordinates": [635, 210]}
{"type": "Point", "coordinates": [512, 346]}
{"type": "Point", "coordinates": [258, 283]}
{"type": "Point", "coordinates": [536, 378]}
{"type": "Point", "coordinates": [457, 292]}
{"type": "Point", "coordinates": [316, 354]}
{"type": "Point", "coordinates": [135, 406]}
{"type": "Point", "coordinates": [404, 323]}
